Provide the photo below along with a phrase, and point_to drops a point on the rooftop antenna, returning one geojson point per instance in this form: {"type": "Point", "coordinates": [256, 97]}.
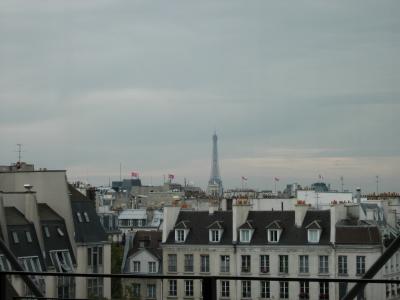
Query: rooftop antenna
{"type": "Point", "coordinates": [19, 152]}
{"type": "Point", "coordinates": [377, 184]}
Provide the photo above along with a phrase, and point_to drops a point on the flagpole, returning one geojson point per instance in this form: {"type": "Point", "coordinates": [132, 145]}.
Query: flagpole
{"type": "Point", "coordinates": [275, 185]}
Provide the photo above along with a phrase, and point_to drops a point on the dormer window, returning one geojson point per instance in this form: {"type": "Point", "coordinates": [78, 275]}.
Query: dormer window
{"type": "Point", "coordinates": [313, 235]}
{"type": "Point", "coordinates": [28, 237]}
{"type": "Point", "coordinates": [215, 235]}
{"type": "Point", "coordinates": [274, 231]}
{"type": "Point", "coordinates": [79, 217]}
{"type": "Point", "coordinates": [86, 217]}
{"type": "Point", "coordinates": [181, 231]}
{"type": "Point", "coordinates": [314, 230]}
{"type": "Point", "coordinates": [15, 237]}
{"type": "Point", "coordinates": [245, 235]}
{"type": "Point", "coordinates": [180, 235]}
{"type": "Point", "coordinates": [274, 235]}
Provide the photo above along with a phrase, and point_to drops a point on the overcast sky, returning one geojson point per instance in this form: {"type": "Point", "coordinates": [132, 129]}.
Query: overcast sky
{"type": "Point", "coordinates": [294, 89]}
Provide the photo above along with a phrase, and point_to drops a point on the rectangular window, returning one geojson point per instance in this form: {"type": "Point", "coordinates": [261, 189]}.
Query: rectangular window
{"type": "Point", "coordinates": [225, 263]}
{"type": "Point", "coordinates": [304, 290]}
{"type": "Point", "coordinates": [188, 263]}
{"type": "Point", "coordinates": [95, 258]}
{"type": "Point", "coordinates": [323, 264]}
{"type": "Point", "coordinates": [152, 267]}
{"type": "Point", "coordinates": [136, 266]}
{"type": "Point", "coordinates": [46, 231]}
{"type": "Point", "coordinates": [284, 289]}
{"type": "Point", "coordinates": [360, 268]}
{"type": "Point", "coordinates": [342, 265]}
{"type": "Point", "coordinates": [136, 290]}
{"type": "Point", "coordinates": [204, 263]}
{"type": "Point", "coordinates": [303, 264]}
{"type": "Point", "coordinates": [264, 263]}
{"type": "Point", "coordinates": [246, 289]}
{"type": "Point", "coordinates": [225, 288]}
{"type": "Point", "coordinates": [245, 236]}
{"type": "Point", "coordinates": [171, 262]}
{"type": "Point", "coordinates": [273, 236]}
{"type": "Point", "coordinates": [95, 287]}
{"type": "Point", "coordinates": [265, 289]}
{"type": "Point", "coordinates": [245, 263]}
{"type": "Point", "coordinates": [189, 288]}
{"type": "Point", "coordinates": [151, 291]}
{"type": "Point", "coordinates": [4, 264]}
{"type": "Point", "coordinates": [28, 237]}
{"type": "Point", "coordinates": [324, 290]}
{"type": "Point", "coordinates": [179, 235]}
{"type": "Point", "coordinates": [172, 288]}
{"type": "Point", "coordinates": [283, 264]}
{"type": "Point", "coordinates": [215, 236]}
{"type": "Point", "coordinates": [15, 237]}
{"type": "Point", "coordinates": [313, 235]}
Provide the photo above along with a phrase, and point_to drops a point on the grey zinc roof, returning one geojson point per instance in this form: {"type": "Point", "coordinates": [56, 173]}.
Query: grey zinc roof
{"type": "Point", "coordinates": [291, 235]}
{"type": "Point", "coordinates": [86, 232]}
{"type": "Point", "coordinates": [200, 220]}
{"type": "Point", "coordinates": [54, 222]}
{"type": "Point", "coordinates": [18, 224]}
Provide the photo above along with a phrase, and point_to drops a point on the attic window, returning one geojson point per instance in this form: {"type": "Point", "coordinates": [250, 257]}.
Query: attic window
{"type": "Point", "coordinates": [274, 235]}
{"type": "Point", "coordinates": [215, 235]}
{"type": "Point", "coordinates": [313, 235]}
{"type": "Point", "coordinates": [79, 217]}
{"type": "Point", "coordinates": [60, 232]}
{"type": "Point", "coordinates": [245, 235]}
{"type": "Point", "coordinates": [28, 236]}
{"type": "Point", "coordinates": [15, 237]}
{"type": "Point", "coordinates": [180, 235]}
{"type": "Point", "coordinates": [46, 231]}
{"type": "Point", "coordinates": [86, 217]}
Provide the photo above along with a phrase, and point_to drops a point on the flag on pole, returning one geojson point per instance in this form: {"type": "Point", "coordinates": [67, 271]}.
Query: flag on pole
{"type": "Point", "coordinates": [276, 178]}
{"type": "Point", "coordinates": [320, 177]}
{"type": "Point", "coordinates": [171, 176]}
{"type": "Point", "coordinates": [244, 178]}
{"type": "Point", "coordinates": [135, 174]}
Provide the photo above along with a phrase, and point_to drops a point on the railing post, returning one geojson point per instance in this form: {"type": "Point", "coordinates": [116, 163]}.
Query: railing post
{"type": "Point", "coordinates": [3, 286]}
{"type": "Point", "coordinates": [209, 288]}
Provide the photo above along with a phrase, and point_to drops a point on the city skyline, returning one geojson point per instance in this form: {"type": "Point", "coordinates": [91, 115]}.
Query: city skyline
{"type": "Point", "coordinates": [293, 90]}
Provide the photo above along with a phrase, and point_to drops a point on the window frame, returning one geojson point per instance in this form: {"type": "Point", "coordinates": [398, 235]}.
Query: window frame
{"type": "Point", "coordinates": [264, 263]}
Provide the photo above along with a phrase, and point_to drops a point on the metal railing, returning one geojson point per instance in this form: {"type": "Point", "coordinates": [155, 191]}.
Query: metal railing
{"type": "Point", "coordinates": [209, 283]}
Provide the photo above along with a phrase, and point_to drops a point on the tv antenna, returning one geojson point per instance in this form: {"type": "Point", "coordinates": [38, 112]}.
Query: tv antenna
{"type": "Point", "coordinates": [19, 150]}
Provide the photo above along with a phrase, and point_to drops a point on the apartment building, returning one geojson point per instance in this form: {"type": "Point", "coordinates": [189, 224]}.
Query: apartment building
{"type": "Point", "coordinates": [298, 243]}
{"type": "Point", "coordinates": [50, 226]}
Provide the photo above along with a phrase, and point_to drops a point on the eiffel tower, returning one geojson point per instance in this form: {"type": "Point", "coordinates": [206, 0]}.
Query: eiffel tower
{"type": "Point", "coordinates": [214, 187]}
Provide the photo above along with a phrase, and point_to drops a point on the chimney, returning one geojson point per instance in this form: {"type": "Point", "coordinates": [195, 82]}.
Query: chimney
{"type": "Point", "coordinates": [240, 211]}
{"type": "Point", "coordinates": [338, 212]}
{"type": "Point", "coordinates": [358, 195]}
{"type": "Point", "coordinates": [32, 213]}
{"type": "Point", "coordinates": [169, 219]}
{"type": "Point", "coordinates": [300, 210]}
{"type": "Point", "coordinates": [3, 224]}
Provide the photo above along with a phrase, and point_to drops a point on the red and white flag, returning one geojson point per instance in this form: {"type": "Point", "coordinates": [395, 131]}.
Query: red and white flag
{"type": "Point", "coordinates": [244, 178]}
{"type": "Point", "coordinates": [171, 176]}
{"type": "Point", "coordinates": [135, 174]}
{"type": "Point", "coordinates": [276, 178]}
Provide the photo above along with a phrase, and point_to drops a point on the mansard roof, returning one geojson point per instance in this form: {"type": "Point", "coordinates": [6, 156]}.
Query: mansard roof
{"type": "Point", "coordinates": [285, 220]}
{"type": "Point", "coordinates": [349, 232]}
{"type": "Point", "coordinates": [199, 232]}
{"type": "Point", "coordinates": [19, 225]}
{"type": "Point", "coordinates": [260, 221]}
{"type": "Point", "coordinates": [86, 231]}
{"type": "Point", "coordinates": [55, 225]}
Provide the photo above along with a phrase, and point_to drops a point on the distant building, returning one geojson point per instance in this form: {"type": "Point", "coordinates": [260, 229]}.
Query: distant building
{"type": "Point", "coordinates": [299, 243]}
{"type": "Point", "coordinates": [49, 225]}
{"type": "Point", "coordinates": [142, 255]}
{"type": "Point", "coordinates": [215, 188]}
